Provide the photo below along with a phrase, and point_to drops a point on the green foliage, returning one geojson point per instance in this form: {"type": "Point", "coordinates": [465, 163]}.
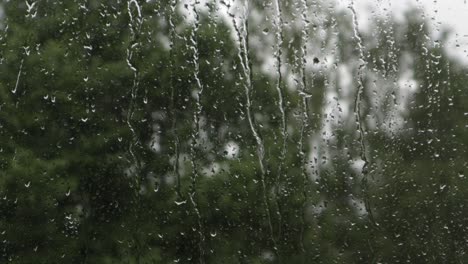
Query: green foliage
{"type": "Point", "coordinates": [111, 153]}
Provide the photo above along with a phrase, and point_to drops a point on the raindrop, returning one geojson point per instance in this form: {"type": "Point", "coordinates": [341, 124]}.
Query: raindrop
{"type": "Point", "coordinates": [180, 202]}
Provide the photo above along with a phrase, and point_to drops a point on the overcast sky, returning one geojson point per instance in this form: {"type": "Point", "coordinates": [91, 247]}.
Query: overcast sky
{"type": "Point", "coordinates": [452, 14]}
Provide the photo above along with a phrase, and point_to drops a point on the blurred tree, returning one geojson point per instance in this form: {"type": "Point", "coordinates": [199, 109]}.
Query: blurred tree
{"type": "Point", "coordinates": [166, 131]}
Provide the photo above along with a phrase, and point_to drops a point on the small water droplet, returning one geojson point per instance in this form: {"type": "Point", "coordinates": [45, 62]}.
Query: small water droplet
{"type": "Point", "coordinates": [180, 202]}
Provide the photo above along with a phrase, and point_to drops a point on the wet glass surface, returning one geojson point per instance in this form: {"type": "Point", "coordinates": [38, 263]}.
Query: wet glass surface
{"type": "Point", "coordinates": [233, 131]}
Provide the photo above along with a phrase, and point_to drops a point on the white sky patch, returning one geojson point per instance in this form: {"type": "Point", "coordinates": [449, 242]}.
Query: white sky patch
{"type": "Point", "coordinates": [357, 165]}
{"type": "Point", "coordinates": [186, 9]}
{"type": "Point", "coordinates": [231, 150]}
{"type": "Point", "coordinates": [155, 143]}
{"type": "Point", "coordinates": [441, 14]}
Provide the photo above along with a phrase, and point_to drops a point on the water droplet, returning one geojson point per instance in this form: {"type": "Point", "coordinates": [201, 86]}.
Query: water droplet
{"type": "Point", "coordinates": [180, 202]}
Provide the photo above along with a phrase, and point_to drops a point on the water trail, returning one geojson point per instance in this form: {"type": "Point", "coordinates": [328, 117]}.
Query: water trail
{"type": "Point", "coordinates": [172, 38]}
{"type": "Point", "coordinates": [260, 146]}
{"type": "Point", "coordinates": [244, 59]}
{"type": "Point", "coordinates": [393, 48]}
{"type": "Point", "coordinates": [18, 77]}
{"type": "Point", "coordinates": [279, 88]}
{"type": "Point", "coordinates": [357, 101]}
{"type": "Point", "coordinates": [135, 26]}
{"type": "Point", "coordinates": [305, 117]}
{"type": "Point", "coordinates": [195, 133]}
{"type": "Point", "coordinates": [357, 112]}
{"type": "Point", "coordinates": [30, 22]}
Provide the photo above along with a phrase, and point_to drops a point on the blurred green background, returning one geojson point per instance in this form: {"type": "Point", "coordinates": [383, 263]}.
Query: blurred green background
{"type": "Point", "coordinates": [228, 132]}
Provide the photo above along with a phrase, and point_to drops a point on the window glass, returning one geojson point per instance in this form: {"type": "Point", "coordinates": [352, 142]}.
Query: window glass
{"type": "Point", "coordinates": [233, 131]}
